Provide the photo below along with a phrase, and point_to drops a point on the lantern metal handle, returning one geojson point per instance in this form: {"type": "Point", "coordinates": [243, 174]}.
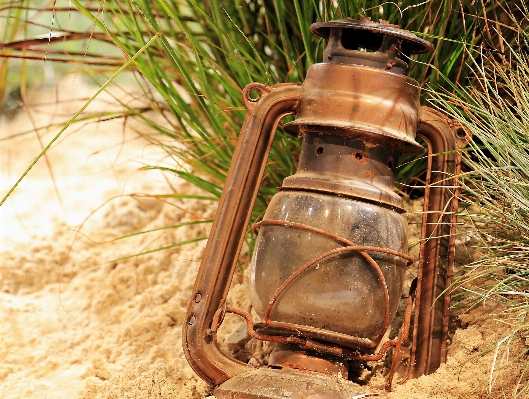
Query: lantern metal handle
{"type": "Point", "coordinates": [444, 138]}
{"type": "Point", "coordinates": [266, 107]}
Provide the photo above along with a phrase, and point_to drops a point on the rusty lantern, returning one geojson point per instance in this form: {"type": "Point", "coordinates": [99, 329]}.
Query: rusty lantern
{"type": "Point", "coordinates": [331, 253]}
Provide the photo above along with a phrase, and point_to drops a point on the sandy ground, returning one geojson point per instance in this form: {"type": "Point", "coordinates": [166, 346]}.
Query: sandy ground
{"type": "Point", "coordinates": [78, 322]}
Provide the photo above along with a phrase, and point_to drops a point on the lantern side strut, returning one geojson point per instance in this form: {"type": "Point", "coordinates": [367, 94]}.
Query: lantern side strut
{"type": "Point", "coordinates": [430, 330]}
{"type": "Point", "coordinates": [230, 223]}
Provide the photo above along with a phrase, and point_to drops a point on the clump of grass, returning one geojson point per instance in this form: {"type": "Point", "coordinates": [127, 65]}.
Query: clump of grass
{"type": "Point", "coordinates": [494, 107]}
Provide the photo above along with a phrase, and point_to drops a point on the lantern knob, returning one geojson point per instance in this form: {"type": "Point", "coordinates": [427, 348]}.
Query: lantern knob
{"type": "Point", "coordinates": [373, 44]}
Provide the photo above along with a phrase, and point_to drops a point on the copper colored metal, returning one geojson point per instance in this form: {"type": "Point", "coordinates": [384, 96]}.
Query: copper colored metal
{"type": "Point", "coordinates": [430, 332]}
{"type": "Point", "coordinates": [383, 109]}
{"type": "Point", "coordinates": [289, 383]}
{"type": "Point", "coordinates": [412, 44]}
{"type": "Point", "coordinates": [293, 357]}
{"type": "Point", "coordinates": [229, 227]}
{"type": "Point", "coordinates": [403, 335]}
{"type": "Point", "coordinates": [349, 167]}
{"type": "Point", "coordinates": [291, 339]}
{"type": "Point", "coordinates": [391, 45]}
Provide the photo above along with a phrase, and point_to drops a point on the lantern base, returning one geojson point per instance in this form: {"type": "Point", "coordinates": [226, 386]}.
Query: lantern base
{"type": "Point", "coordinates": [293, 357]}
{"type": "Point", "coordinates": [289, 383]}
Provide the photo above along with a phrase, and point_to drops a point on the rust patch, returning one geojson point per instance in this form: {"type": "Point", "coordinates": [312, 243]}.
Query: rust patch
{"type": "Point", "coordinates": [370, 173]}
{"type": "Point", "coordinates": [391, 163]}
{"type": "Point", "coordinates": [360, 156]}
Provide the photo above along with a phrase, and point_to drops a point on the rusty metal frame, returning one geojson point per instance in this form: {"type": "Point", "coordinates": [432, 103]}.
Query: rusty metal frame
{"type": "Point", "coordinates": [430, 330]}
{"type": "Point", "coordinates": [208, 306]}
{"type": "Point", "coordinates": [266, 105]}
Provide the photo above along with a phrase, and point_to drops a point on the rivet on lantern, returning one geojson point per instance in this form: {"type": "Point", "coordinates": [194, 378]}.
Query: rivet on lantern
{"type": "Point", "coordinates": [331, 251]}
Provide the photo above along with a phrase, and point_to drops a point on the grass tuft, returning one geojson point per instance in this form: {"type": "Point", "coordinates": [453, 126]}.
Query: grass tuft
{"type": "Point", "coordinates": [494, 107]}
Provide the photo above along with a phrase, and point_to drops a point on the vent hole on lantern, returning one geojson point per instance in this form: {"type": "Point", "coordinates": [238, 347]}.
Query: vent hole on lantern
{"type": "Point", "coordinates": [319, 151]}
{"type": "Point", "coordinates": [359, 156]}
{"type": "Point", "coordinates": [390, 163]}
{"type": "Point", "coordinates": [461, 133]}
{"type": "Point", "coordinates": [361, 40]}
{"type": "Point", "coordinates": [253, 95]}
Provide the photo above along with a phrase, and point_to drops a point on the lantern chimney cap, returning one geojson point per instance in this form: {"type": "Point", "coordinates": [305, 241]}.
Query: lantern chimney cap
{"type": "Point", "coordinates": [370, 31]}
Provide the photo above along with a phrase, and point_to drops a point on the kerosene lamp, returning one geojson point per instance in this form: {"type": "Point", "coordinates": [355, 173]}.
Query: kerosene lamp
{"type": "Point", "coordinates": [331, 252]}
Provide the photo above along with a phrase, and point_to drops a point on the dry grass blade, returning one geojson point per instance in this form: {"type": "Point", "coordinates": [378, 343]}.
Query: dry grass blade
{"type": "Point", "coordinates": [494, 108]}
{"type": "Point", "coordinates": [74, 117]}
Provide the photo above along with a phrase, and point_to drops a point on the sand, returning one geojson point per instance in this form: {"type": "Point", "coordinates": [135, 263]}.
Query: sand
{"type": "Point", "coordinates": [79, 323]}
